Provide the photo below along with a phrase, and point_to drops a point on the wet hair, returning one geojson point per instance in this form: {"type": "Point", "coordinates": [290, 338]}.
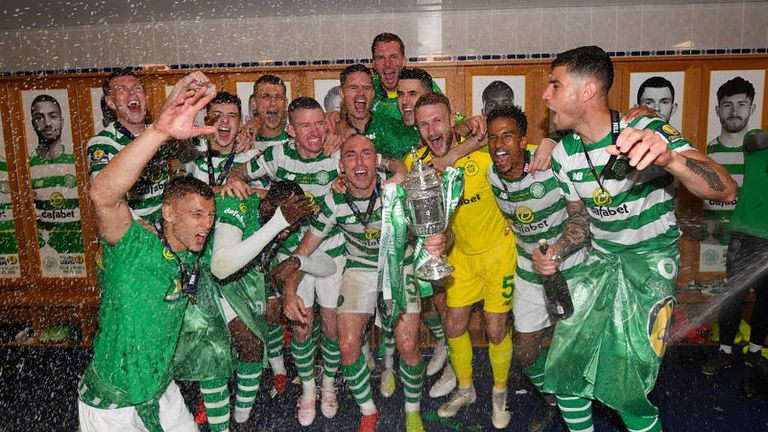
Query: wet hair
{"type": "Point", "coordinates": [355, 68]}
{"type": "Point", "coordinates": [387, 37]}
{"type": "Point", "coordinates": [223, 97]}
{"type": "Point", "coordinates": [509, 111]}
{"type": "Point", "coordinates": [589, 61]}
{"type": "Point", "coordinates": [269, 79]}
{"type": "Point", "coordinates": [277, 193]}
{"type": "Point", "coordinates": [182, 186]}
{"type": "Point", "coordinates": [45, 98]}
{"type": "Point", "coordinates": [655, 82]}
{"type": "Point", "coordinates": [300, 103]}
{"type": "Point", "coordinates": [434, 99]}
{"type": "Point", "coordinates": [116, 74]}
{"type": "Point", "coordinates": [736, 86]}
{"type": "Point", "coordinates": [417, 74]}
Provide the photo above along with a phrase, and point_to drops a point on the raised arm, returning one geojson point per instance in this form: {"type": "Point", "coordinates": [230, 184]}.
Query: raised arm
{"type": "Point", "coordinates": [231, 252]}
{"type": "Point", "coordinates": [701, 175]}
{"type": "Point", "coordinates": [113, 217]}
{"type": "Point", "coordinates": [574, 237]}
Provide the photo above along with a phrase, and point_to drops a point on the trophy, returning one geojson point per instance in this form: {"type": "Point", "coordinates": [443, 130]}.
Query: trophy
{"type": "Point", "coordinates": [426, 214]}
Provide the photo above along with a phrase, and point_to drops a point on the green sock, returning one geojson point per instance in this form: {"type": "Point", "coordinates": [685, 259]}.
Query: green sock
{"type": "Point", "coordinates": [413, 382]}
{"type": "Point", "coordinates": [331, 358]}
{"type": "Point", "coordinates": [435, 325]}
{"type": "Point", "coordinates": [577, 413]}
{"type": "Point", "coordinates": [304, 358]}
{"type": "Point", "coordinates": [358, 379]}
{"type": "Point", "coordinates": [275, 343]}
{"type": "Point", "coordinates": [216, 399]}
{"type": "Point", "coordinates": [536, 371]}
{"type": "Point", "coordinates": [248, 381]}
{"type": "Point", "coordinates": [641, 424]}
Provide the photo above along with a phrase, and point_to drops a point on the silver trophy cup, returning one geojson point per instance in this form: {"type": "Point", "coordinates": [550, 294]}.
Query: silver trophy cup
{"type": "Point", "coordinates": [425, 210]}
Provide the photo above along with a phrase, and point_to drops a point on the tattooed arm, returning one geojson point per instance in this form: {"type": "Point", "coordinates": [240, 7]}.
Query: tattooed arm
{"type": "Point", "coordinates": [575, 237]}
{"type": "Point", "coordinates": [702, 176]}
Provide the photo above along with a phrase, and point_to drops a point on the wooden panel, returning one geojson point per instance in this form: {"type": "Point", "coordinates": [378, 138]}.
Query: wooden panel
{"type": "Point", "coordinates": [21, 125]}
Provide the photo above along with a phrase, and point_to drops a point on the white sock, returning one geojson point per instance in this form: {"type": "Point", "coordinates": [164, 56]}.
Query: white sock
{"type": "Point", "coordinates": [728, 349]}
{"type": "Point", "coordinates": [278, 366]}
{"type": "Point", "coordinates": [753, 347]}
{"type": "Point", "coordinates": [309, 390]}
{"type": "Point", "coordinates": [328, 382]}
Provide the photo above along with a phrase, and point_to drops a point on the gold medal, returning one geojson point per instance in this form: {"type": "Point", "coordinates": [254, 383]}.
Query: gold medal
{"type": "Point", "coordinates": [372, 233]}
{"type": "Point", "coordinates": [601, 197]}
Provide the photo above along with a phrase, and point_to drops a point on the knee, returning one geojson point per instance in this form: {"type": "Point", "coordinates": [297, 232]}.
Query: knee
{"type": "Point", "coordinates": [407, 346]}
{"type": "Point", "coordinates": [301, 332]}
{"type": "Point", "coordinates": [496, 332]}
{"type": "Point", "coordinates": [250, 349]}
{"type": "Point", "coordinates": [350, 349]}
{"type": "Point", "coordinates": [453, 328]}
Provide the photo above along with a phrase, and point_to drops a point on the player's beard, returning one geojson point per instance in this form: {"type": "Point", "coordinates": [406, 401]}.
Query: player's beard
{"type": "Point", "coordinates": [734, 124]}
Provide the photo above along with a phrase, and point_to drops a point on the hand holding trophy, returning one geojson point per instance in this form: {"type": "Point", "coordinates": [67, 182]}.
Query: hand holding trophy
{"type": "Point", "coordinates": [429, 203]}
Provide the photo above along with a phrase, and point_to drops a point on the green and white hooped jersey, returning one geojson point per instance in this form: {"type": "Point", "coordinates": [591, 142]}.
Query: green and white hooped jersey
{"type": "Point", "coordinates": [199, 167]}
{"type": "Point", "coordinates": [315, 176]}
{"type": "Point", "coordinates": [732, 159]}
{"type": "Point", "coordinates": [57, 203]}
{"type": "Point", "coordinates": [361, 242]}
{"type": "Point", "coordinates": [535, 208]}
{"type": "Point", "coordinates": [639, 216]}
{"type": "Point", "coordinates": [7, 224]}
{"type": "Point", "coordinates": [146, 197]}
{"type": "Point", "coordinates": [263, 143]}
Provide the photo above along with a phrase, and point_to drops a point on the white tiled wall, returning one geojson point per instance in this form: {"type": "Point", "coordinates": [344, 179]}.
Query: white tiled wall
{"type": "Point", "coordinates": [532, 30]}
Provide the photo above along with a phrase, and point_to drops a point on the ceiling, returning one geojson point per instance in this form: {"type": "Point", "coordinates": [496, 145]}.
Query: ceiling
{"type": "Point", "coordinates": [23, 14]}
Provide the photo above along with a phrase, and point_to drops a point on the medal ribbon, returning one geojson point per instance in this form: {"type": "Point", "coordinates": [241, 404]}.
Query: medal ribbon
{"type": "Point", "coordinates": [607, 168]}
{"type": "Point", "coordinates": [226, 166]}
{"type": "Point", "coordinates": [188, 280]}
{"type": "Point", "coordinates": [371, 204]}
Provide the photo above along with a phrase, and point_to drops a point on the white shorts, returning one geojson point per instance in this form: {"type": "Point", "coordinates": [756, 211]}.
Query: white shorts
{"type": "Point", "coordinates": [174, 416]}
{"type": "Point", "coordinates": [323, 290]}
{"type": "Point", "coordinates": [359, 293]}
{"type": "Point", "coordinates": [528, 307]}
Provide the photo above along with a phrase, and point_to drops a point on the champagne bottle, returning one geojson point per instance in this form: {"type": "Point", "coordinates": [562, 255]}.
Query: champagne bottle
{"type": "Point", "coordinates": [556, 294]}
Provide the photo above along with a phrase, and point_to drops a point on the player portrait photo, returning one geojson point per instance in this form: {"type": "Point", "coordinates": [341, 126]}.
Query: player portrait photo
{"type": "Point", "coordinates": [661, 91]}
{"type": "Point", "coordinates": [9, 258]}
{"type": "Point", "coordinates": [489, 91]}
{"type": "Point", "coordinates": [48, 133]}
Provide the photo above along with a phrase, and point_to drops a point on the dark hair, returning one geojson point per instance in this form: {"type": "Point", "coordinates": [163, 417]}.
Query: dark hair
{"type": "Point", "coordinates": [278, 192]}
{"type": "Point", "coordinates": [302, 102]}
{"type": "Point", "coordinates": [588, 61]}
{"type": "Point", "coordinates": [182, 186]}
{"type": "Point", "coordinates": [511, 112]}
{"type": "Point", "coordinates": [736, 86]}
{"type": "Point", "coordinates": [223, 97]}
{"type": "Point", "coordinates": [387, 37]}
{"type": "Point", "coordinates": [116, 74]}
{"type": "Point", "coordinates": [45, 98]}
{"type": "Point", "coordinates": [433, 99]}
{"type": "Point", "coordinates": [269, 79]}
{"type": "Point", "coordinates": [497, 87]}
{"type": "Point", "coordinates": [417, 74]}
{"type": "Point", "coordinates": [355, 68]}
{"type": "Point", "coordinates": [655, 82]}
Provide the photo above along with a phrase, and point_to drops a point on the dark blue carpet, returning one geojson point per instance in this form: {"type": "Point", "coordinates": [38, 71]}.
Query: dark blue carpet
{"type": "Point", "coordinates": [38, 391]}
